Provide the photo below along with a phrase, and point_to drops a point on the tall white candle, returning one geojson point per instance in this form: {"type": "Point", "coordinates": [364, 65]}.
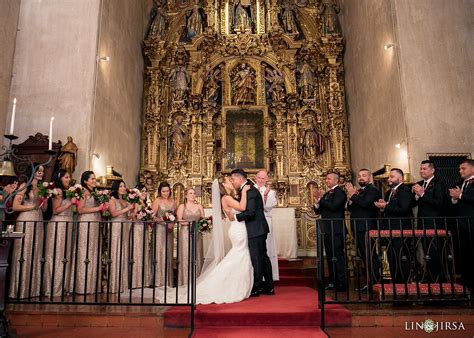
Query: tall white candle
{"type": "Point", "coordinates": [12, 122]}
{"type": "Point", "coordinates": [51, 133]}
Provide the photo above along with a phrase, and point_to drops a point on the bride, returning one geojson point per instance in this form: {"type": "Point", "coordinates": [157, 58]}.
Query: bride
{"type": "Point", "coordinates": [224, 278]}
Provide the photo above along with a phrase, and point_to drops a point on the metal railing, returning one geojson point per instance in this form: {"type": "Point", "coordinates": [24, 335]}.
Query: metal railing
{"type": "Point", "coordinates": [399, 260]}
{"type": "Point", "coordinates": [104, 263]}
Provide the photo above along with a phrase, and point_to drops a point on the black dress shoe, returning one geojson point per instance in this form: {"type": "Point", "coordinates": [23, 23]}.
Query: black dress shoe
{"type": "Point", "coordinates": [254, 293]}
{"type": "Point", "coordinates": [269, 292]}
{"type": "Point", "coordinates": [330, 286]}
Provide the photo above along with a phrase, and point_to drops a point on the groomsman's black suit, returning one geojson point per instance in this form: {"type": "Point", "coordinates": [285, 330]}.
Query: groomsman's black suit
{"type": "Point", "coordinates": [432, 205]}
{"type": "Point", "coordinates": [464, 208]}
{"type": "Point", "coordinates": [363, 214]}
{"type": "Point", "coordinates": [331, 207]}
{"type": "Point", "coordinates": [257, 230]}
{"type": "Point", "coordinates": [398, 212]}
{"type": "Point", "coordinates": [363, 218]}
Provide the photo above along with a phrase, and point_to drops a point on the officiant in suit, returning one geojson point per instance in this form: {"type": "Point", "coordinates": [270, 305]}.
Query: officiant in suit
{"type": "Point", "coordinates": [257, 231]}
{"type": "Point", "coordinates": [331, 207]}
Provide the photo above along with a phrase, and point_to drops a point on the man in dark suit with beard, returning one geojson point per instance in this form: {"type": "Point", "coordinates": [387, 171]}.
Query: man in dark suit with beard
{"type": "Point", "coordinates": [397, 210]}
{"type": "Point", "coordinates": [257, 230]}
{"type": "Point", "coordinates": [331, 207]}
{"type": "Point", "coordinates": [431, 196]}
{"type": "Point", "coordinates": [462, 199]}
{"type": "Point", "coordinates": [363, 213]}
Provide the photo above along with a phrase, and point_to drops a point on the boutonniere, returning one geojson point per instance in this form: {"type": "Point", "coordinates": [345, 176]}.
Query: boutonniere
{"type": "Point", "coordinates": [430, 185]}
{"type": "Point", "coordinates": [470, 181]}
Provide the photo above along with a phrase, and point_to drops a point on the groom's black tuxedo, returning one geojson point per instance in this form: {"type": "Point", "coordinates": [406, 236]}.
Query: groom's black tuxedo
{"type": "Point", "coordinates": [257, 230]}
{"type": "Point", "coordinates": [254, 215]}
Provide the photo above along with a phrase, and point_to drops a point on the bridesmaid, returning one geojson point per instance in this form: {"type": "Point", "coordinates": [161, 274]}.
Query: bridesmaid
{"type": "Point", "coordinates": [119, 233]}
{"type": "Point", "coordinates": [162, 204]}
{"type": "Point", "coordinates": [87, 253]}
{"type": "Point", "coordinates": [59, 230]}
{"type": "Point", "coordinates": [27, 253]}
{"type": "Point", "coordinates": [189, 211]}
{"type": "Point", "coordinates": [139, 249]}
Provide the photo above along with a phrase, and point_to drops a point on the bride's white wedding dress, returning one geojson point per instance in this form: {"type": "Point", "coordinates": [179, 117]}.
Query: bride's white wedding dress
{"type": "Point", "coordinates": [229, 281]}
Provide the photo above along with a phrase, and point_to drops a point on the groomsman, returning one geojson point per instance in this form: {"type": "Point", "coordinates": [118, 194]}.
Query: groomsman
{"type": "Point", "coordinates": [462, 199]}
{"type": "Point", "coordinates": [269, 202]}
{"type": "Point", "coordinates": [397, 209]}
{"type": "Point", "coordinates": [331, 207]}
{"type": "Point", "coordinates": [431, 195]}
{"type": "Point", "coordinates": [363, 211]}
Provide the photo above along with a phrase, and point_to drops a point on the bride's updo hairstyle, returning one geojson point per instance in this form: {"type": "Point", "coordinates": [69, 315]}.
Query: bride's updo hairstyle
{"type": "Point", "coordinates": [222, 189]}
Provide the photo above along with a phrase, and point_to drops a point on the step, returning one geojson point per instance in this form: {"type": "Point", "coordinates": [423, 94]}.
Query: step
{"type": "Point", "coordinates": [290, 306]}
{"type": "Point", "coordinates": [259, 332]}
{"type": "Point", "coordinates": [295, 281]}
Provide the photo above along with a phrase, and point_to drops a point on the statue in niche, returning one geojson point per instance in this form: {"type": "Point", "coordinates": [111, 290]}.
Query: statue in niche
{"type": "Point", "coordinates": [289, 21]}
{"type": "Point", "coordinates": [330, 20]}
{"type": "Point", "coordinates": [158, 25]}
{"type": "Point", "coordinates": [243, 17]}
{"type": "Point", "coordinates": [213, 88]}
{"type": "Point", "coordinates": [307, 79]}
{"type": "Point", "coordinates": [244, 85]}
{"type": "Point", "coordinates": [194, 21]}
{"type": "Point", "coordinates": [277, 85]}
{"type": "Point", "coordinates": [180, 81]}
{"type": "Point", "coordinates": [312, 141]}
{"type": "Point", "coordinates": [68, 156]}
{"type": "Point", "coordinates": [179, 141]}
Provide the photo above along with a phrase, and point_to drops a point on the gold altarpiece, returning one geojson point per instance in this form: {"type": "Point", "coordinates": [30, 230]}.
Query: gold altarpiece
{"type": "Point", "coordinates": [246, 83]}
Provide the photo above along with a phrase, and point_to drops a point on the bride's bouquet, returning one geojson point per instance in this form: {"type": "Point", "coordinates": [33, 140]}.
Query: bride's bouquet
{"type": "Point", "coordinates": [132, 196]}
{"type": "Point", "coordinates": [204, 225]}
{"type": "Point", "coordinates": [46, 190]}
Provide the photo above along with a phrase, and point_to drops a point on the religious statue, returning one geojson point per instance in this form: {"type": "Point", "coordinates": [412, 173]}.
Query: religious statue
{"type": "Point", "coordinates": [330, 20]}
{"type": "Point", "coordinates": [178, 141]}
{"type": "Point", "coordinates": [277, 85]}
{"type": "Point", "coordinates": [289, 21]}
{"type": "Point", "coordinates": [244, 85]}
{"type": "Point", "coordinates": [312, 143]}
{"type": "Point", "coordinates": [158, 25]}
{"type": "Point", "coordinates": [194, 21]}
{"type": "Point", "coordinates": [68, 156]}
{"type": "Point", "coordinates": [213, 88]}
{"type": "Point", "coordinates": [180, 81]}
{"type": "Point", "coordinates": [243, 17]}
{"type": "Point", "coordinates": [307, 80]}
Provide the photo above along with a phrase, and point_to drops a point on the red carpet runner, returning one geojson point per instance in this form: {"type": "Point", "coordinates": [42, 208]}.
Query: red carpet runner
{"type": "Point", "coordinates": [292, 312]}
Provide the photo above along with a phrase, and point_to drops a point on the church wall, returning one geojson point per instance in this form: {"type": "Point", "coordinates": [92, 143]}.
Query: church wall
{"type": "Point", "coordinates": [9, 12]}
{"type": "Point", "coordinates": [117, 120]}
{"type": "Point", "coordinates": [435, 38]}
{"type": "Point", "coordinates": [54, 67]}
{"type": "Point", "coordinates": [373, 95]}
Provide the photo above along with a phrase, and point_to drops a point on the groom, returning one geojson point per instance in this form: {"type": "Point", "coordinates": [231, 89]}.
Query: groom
{"type": "Point", "coordinates": [257, 230]}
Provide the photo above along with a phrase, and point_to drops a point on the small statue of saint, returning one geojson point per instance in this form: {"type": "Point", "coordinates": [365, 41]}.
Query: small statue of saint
{"type": "Point", "coordinates": [68, 156]}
